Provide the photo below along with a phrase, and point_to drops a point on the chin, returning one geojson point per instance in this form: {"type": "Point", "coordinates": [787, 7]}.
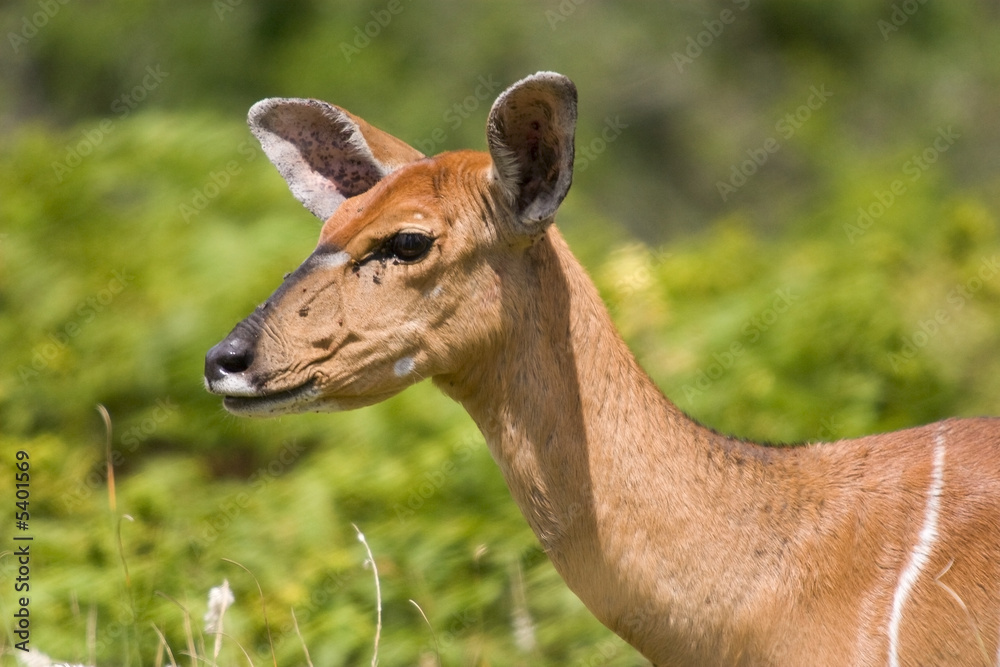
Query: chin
{"type": "Point", "coordinates": [306, 398]}
{"type": "Point", "coordinates": [302, 399]}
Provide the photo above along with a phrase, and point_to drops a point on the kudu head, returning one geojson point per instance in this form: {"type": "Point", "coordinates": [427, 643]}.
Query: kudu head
{"type": "Point", "coordinates": [409, 276]}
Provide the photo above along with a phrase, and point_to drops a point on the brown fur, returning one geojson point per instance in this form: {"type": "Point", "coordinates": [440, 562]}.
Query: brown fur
{"type": "Point", "coordinates": [696, 548]}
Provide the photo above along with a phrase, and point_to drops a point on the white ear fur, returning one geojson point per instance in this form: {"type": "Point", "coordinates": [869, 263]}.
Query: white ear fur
{"type": "Point", "coordinates": [323, 152]}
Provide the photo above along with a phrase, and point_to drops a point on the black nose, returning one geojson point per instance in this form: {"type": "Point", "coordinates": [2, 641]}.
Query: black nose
{"type": "Point", "coordinates": [232, 355]}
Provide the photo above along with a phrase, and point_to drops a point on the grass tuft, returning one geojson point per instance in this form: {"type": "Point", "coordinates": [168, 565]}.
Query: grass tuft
{"type": "Point", "coordinates": [378, 593]}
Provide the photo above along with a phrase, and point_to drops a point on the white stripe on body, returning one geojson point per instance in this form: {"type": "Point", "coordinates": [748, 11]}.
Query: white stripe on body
{"type": "Point", "coordinates": [921, 553]}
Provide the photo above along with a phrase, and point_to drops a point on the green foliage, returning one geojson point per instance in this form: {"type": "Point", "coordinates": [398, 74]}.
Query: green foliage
{"type": "Point", "coordinates": [849, 283]}
{"type": "Point", "coordinates": [813, 334]}
{"type": "Point", "coordinates": [121, 290]}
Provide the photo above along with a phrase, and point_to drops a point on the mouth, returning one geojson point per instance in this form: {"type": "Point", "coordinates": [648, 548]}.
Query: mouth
{"type": "Point", "coordinates": [296, 399]}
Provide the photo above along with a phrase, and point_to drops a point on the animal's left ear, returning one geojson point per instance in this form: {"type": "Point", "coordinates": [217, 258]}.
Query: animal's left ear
{"type": "Point", "coordinates": [530, 133]}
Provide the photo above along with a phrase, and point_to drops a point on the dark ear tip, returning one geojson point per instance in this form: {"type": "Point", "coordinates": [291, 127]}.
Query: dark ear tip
{"type": "Point", "coordinates": [562, 85]}
{"type": "Point", "coordinates": [548, 75]}
{"type": "Point", "coordinates": [557, 79]}
{"type": "Point", "coordinates": [565, 85]}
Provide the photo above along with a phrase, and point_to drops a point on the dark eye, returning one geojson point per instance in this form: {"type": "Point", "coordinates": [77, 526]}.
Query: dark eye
{"type": "Point", "coordinates": [409, 246]}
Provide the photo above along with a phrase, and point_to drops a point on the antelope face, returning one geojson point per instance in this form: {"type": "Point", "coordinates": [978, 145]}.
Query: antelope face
{"type": "Point", "coordinates": [406, 281]}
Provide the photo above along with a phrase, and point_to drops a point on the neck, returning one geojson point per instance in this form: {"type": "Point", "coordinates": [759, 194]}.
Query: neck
{"type": "Point", "coordinates": [622, 489]}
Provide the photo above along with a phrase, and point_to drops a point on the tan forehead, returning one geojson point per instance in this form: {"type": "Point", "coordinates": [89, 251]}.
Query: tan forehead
{"type": "Point", "coordinates": [425, 187]}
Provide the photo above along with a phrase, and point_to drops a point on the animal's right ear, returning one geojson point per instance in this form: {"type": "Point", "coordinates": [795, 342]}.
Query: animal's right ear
{"type": "Point", "coordinates": [325, 153]}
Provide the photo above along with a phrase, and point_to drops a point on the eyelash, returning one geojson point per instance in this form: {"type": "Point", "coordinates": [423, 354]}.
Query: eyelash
{"type": "Point", "coordinates": [407, 246]}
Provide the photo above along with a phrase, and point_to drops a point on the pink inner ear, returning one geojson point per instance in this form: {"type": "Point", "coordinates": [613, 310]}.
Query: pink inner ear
{"type": "Point", "coordinates": [324, 153]}
{"type": "Point", "coordinates": [317, 149]}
